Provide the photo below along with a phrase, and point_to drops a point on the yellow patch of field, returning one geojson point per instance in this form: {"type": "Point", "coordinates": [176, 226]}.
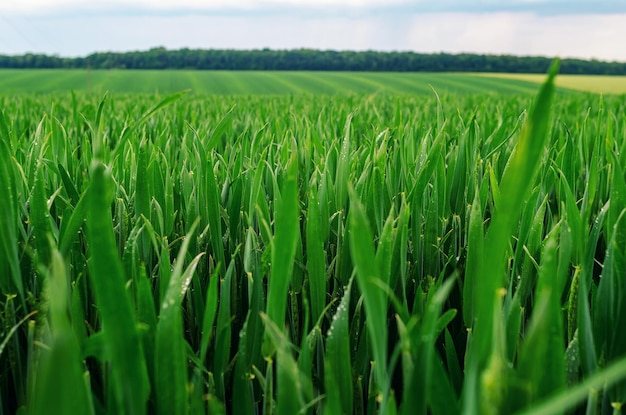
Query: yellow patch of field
{"type": "Point", "coordinates": [601, 84]}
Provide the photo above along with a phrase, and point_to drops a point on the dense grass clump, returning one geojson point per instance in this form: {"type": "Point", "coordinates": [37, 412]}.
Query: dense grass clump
{"type": "Point", "coordinates": [312, 254]}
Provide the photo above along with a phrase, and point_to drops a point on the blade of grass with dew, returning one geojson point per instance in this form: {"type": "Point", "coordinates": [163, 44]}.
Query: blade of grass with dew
{"type": "Point", "coordinates": [170, 351]}
{"type": "Point", "coordinates": [129, 375]}
{"type": "Point", "coordinates": [284, 244]}
{"type": "Point", "coordinates": [514, 187]}
{"type": "Point", "coordinates": [339, 395]}
{"type": "Point", "coordinates": [610, 311]}
{"type": "Point", "coordinates": [362, 251]}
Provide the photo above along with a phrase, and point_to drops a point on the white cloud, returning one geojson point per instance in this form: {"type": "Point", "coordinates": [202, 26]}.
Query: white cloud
{"type": "Point", "coordinates": [580, 36]}
{"type": "Point", "coordinates": [585, 36]}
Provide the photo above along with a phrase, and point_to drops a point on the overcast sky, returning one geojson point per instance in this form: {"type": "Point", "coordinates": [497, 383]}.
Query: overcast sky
{"type": "Point", "coordinates": [566, 28]}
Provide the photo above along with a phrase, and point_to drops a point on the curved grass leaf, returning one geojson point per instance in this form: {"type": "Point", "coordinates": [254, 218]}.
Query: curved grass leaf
{"type": "Point", "coordinates": [541, 362]}
{"type": "Point", "coordinates": [368, 276]}
{"type": "Point", "coordinates": [40, 219]}
{"type": "Point", "coordinates": [339, 385]}
{"type": "Point", "coordinates": [60, 386]}
{"type": "Point", "coordinates": [517, 180]}
{"type": "Point", "coordinates": [11, 277]}
{"type": "Point", "coordinates": [316, 266]}
{"type": "Point", "coordinates": [170, 350]}
{"type": "Point", "coordinates": [573, 396]}
{"type": "Point", "coordinates": [291, 388]}
{"type": "Point", "coordinates": [129, 380]}
{"type": "Point", "coordinates": [284, 243]}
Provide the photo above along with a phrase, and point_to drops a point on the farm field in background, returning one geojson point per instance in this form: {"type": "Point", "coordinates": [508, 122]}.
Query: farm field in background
{"type": "Point", "coordinates": [253, 82]}
{"type": "Point", "coordinates": [599, 84]}
{"type": "Point", "coordinates": [290, 82]}
{"type": "Point", "coordinates": [325, 249]}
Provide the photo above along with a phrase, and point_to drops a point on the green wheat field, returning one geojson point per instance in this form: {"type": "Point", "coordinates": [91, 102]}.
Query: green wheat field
{"type": "Point", "coordinates": [323, 244]}
{"type": "Point", "coordinates": [253, 82]}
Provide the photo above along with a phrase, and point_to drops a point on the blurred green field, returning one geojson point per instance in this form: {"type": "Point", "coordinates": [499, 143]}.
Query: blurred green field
{"type": "Point", "coordinates": [253, 82]}
{"type": "Point", "coordinates": [599, 84]}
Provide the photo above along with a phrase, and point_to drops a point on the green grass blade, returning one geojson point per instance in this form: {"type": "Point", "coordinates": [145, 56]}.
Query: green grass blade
{"type": "Point", "coordinates": [129, 376]}
{"type": "Point", "coordinates": [40, 220]}
{"type": "Point", "coordinates": [170, 351]}
{"type": "Point", "coordinates": [284, 245]}
{"type": "Point", "coordinates": [223, 332]}
{"type": "Point", "coordinates": [4, 125]}
{"type": "Point", "coordinates": [368, 276]}
{"type": "Point", "coordinates": [73, 224]}
{"type": "Point", "coordinates": [11, 278]}
{"type": "Point", "coordinates": [343, 167]}
{"type": "Point", "coordinates": [541, 362]}
{"type": "Point", "coordinates": [60, 386]}
{"type": "Point", "coordinates": [423, 347]}
{"type": "Point", "coordinates": [515, 185]}
{"type": "Point", "coordinates": [68, 184]}
{"type": "Point", "coordinates": [143, 193]}
{"type": "Point", "coordinates": [97, 139]}
{"type": "Point", "coordinates": [339, 392]}
{"type": "Point", "coordinates": [475, 253]}
{"type": "Point", "coordinates": [213, 215]}
{"type": "Point", "coordinates": [442, 399]}
{"type": "Point", "coordinates": [210, 311]}
{"type": "Point", "coordinates": [573, 396]}
{"type": "Point", "coordinates": [147, 318]}
{"type": "Point", "coordinates": [290, 385]}
{"type": "Point", "coordinates": [316, 265]}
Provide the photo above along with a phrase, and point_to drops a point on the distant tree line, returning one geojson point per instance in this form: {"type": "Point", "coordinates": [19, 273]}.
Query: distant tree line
{"type": "Point", "coordinates": [310, 59]}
